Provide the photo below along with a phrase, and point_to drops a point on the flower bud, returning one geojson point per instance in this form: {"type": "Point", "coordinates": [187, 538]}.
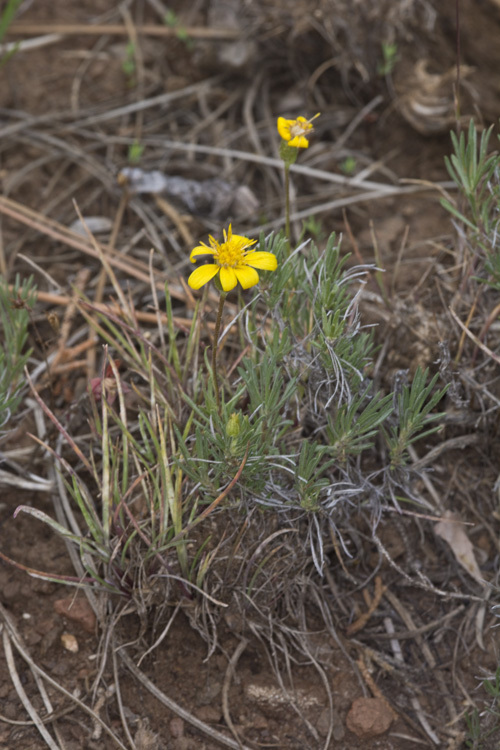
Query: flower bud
{"type": "Point", "coordinates": [233, 426]}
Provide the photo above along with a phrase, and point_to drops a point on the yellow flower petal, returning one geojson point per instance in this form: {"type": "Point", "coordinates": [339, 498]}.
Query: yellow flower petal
{"type": "Point", "coordinates": [246, 276]}
{"type": "Point", "coordinates": [243, 241]}
{"type": "Point", "coordinates": [228, 278]}
{"type": "Point", "coordinates": [264, 261]}
{"type": "Point", "coordinates": [200, 250]}
{"type": "Point", "coordinates": [202, 275]}
{"type": "Point", "coordinates": [299, 142]}
{"type": "Point", "coordinates": [284, 128]}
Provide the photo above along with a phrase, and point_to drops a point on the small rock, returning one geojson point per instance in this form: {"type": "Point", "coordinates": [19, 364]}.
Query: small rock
{"type": "Point", "coordinates": [69, 643]}
{"type": "Point", "coordinates": [77, 610]}
{"type": "Point", "coordinates": [369, 717]}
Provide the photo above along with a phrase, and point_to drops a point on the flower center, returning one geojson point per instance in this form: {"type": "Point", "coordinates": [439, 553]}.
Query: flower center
{"type": "Point", "coordinates": [231, 254]}
{"type": "Point", "coordinates": [300, 128]}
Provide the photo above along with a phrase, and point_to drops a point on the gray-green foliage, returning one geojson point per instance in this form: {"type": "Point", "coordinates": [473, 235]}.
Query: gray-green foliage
{"type": "Point", "coordinates": [477, 175]}
{"type": "Point", "coordinates": [301, 404]}
{"type": "Point", "coordinates": [14, 318]}
{"type": "Point", "coordinates": [415, 405]}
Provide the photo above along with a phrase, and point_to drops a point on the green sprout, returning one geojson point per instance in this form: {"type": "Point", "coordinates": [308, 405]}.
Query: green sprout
{"type": "Point", "coordinates": [172, 21]}
{"type": "Point", "coordinates": [6, 18]}
{"type": "Point", "coordinates": [389, 58]}
{"type": "Point", "coordinates": [135, 152]}
{"type": "Point", "coordinates": [129, 65]}
{"type": "Point", "coordinates": [348, 166]}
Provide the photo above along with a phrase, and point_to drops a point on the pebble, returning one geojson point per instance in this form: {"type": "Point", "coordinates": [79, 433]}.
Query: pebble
{"type": "Point", "coordinates": [369, 717]}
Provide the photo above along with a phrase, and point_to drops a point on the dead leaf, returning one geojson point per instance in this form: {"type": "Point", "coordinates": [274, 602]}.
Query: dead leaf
{"type": "Point", "coordinates": [452, 531]}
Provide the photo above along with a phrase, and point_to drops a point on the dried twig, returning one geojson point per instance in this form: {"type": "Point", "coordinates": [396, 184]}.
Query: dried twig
{"type": "Point", "coordinates": [109, 29]}
{"type": "Point", "coordinates": [362, 620]}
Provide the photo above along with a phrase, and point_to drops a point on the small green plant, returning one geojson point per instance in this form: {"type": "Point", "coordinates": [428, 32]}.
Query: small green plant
{"type": "Point", "coordinates": [172, 21]}
{"type": "Point", "coordinates": [135, 152]}
{"type": "Point", "coordinates": [313, 227]}
{"type": "Point", "coordinates": [348, 166]}
{"type": "Point", "coordinates": [389, 58]}
{"type": "Point", "coordinates": [415, 405]}
{"type": "Point", "coordinates": [482, 726]}
{"type": "Point", "coordinates": [14, 317]}
{"type": "Point", "coordinates": [129, 65]}
{"type": "Point", "coordinates": [6, 18]}
{"type": "Point", "coordinates": [476, 173]}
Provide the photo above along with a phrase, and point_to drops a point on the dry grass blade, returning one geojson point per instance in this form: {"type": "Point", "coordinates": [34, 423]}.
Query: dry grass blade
{"type": "Point", "coordinates": [373, 604]}
{"type": "Point", "coordinates": [147, 29]}
{"type": "Point", "coordinates": [134, 268]}
{"type": "Point", "coordinates": [29, 44]}
{"type": "Point", "coordinates": [143, 104]}
{"type": "Point", "coordinates": [474, 338]}
{"type": "Point", "coordinates": [59, 426]}
{"type": "Point", "coordinates": [378, 188]}
{"type": "Point", "coordinates": [36, 484]}
{"type": "Point", "coordinates": [427, 654]}
{"type": "Point", "coordinates": [119, 700]}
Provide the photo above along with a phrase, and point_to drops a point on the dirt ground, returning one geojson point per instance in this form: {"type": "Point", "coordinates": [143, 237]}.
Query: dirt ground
{"type": "Point", "coordinates": [69, 111]}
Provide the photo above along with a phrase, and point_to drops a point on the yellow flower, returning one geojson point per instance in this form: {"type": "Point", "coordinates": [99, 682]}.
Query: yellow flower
{"type": "Point", "coordinates": [234, 260]}
{"type": "Point", "coordinates": [294, 131]}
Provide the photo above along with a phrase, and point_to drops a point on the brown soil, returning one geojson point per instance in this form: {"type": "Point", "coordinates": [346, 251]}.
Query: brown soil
{"type": "Point", "coordinates": [61, 142]}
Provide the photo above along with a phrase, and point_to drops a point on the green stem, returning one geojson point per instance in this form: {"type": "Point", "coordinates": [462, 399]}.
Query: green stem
{"type": "Point", "coordinates": [214, 348]}
{"type": "Point", "coordinates": [287, 204]}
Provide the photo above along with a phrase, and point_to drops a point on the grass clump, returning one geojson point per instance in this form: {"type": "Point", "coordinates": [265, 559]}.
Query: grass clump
{"type": "Point", "coordinates": [14, 317]}
{"type": "Point", "coordinates": [295, 436]}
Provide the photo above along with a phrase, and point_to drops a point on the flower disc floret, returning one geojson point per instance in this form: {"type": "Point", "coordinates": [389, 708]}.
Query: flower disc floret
{"type": "Point", "coordinates": [294, 131]}
{"type": "Point", "coordinates": [234, 261]}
